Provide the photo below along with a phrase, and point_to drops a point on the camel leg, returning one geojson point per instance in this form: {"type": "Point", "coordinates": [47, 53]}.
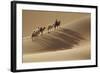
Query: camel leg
{"type": "Point", "coordinates": [57, 27]}
{"type": "Point", "coordinates": [32, 39]}
{"type": "Point", "coordinates": [41, 33]}
{"type": "Point", "coordinates": [48, 31]}
{"type": "Point", "coordinates": [53, 28]}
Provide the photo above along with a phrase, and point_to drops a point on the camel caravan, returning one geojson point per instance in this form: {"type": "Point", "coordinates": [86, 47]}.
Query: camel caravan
{"type": "Point", "coordinates": [40, 30]}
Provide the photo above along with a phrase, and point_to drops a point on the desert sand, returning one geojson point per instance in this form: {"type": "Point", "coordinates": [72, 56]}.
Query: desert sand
{"type": "Point", "coordinates": [68, 42]}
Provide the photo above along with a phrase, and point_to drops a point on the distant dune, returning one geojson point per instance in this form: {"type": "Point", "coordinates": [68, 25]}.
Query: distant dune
{"type": "Point", "coordinates": [68, 42]}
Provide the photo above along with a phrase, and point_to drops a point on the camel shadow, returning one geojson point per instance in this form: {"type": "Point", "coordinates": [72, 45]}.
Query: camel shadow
{"type": "Point", "coordinates": [58, 40]}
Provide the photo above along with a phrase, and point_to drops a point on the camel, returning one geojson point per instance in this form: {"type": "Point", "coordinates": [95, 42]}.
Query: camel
{"type": "Point", "coordinates": [37, 32]}
{"type": "Point", "coordinates": [42, 30]}
{"type": "Point", "coordinates": [49, 28]}
{"type": "Point", "coordinates": [57, 24]}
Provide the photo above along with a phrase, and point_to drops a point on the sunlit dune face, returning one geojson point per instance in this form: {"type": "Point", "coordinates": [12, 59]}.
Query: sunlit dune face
{"type": "Point", "coordinates": [70, 41]}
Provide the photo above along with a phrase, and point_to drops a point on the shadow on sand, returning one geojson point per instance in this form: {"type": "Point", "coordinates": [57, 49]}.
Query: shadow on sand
{"type": "Point", "coordinates": [57, 40]}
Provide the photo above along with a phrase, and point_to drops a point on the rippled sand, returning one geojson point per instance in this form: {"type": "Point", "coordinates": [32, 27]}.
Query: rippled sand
{"type": "Point", "coordinates": [68, 42]}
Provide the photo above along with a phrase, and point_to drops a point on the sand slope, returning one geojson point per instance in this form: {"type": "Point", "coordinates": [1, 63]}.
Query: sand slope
{"type": "Point", "coordinates": [69, 42]}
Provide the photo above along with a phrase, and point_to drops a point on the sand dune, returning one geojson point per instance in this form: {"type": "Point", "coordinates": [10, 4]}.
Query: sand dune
{"type": "Point", "coordinates": [68, 42]}
{"type": "Point", "coordinates": [76, 53]}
